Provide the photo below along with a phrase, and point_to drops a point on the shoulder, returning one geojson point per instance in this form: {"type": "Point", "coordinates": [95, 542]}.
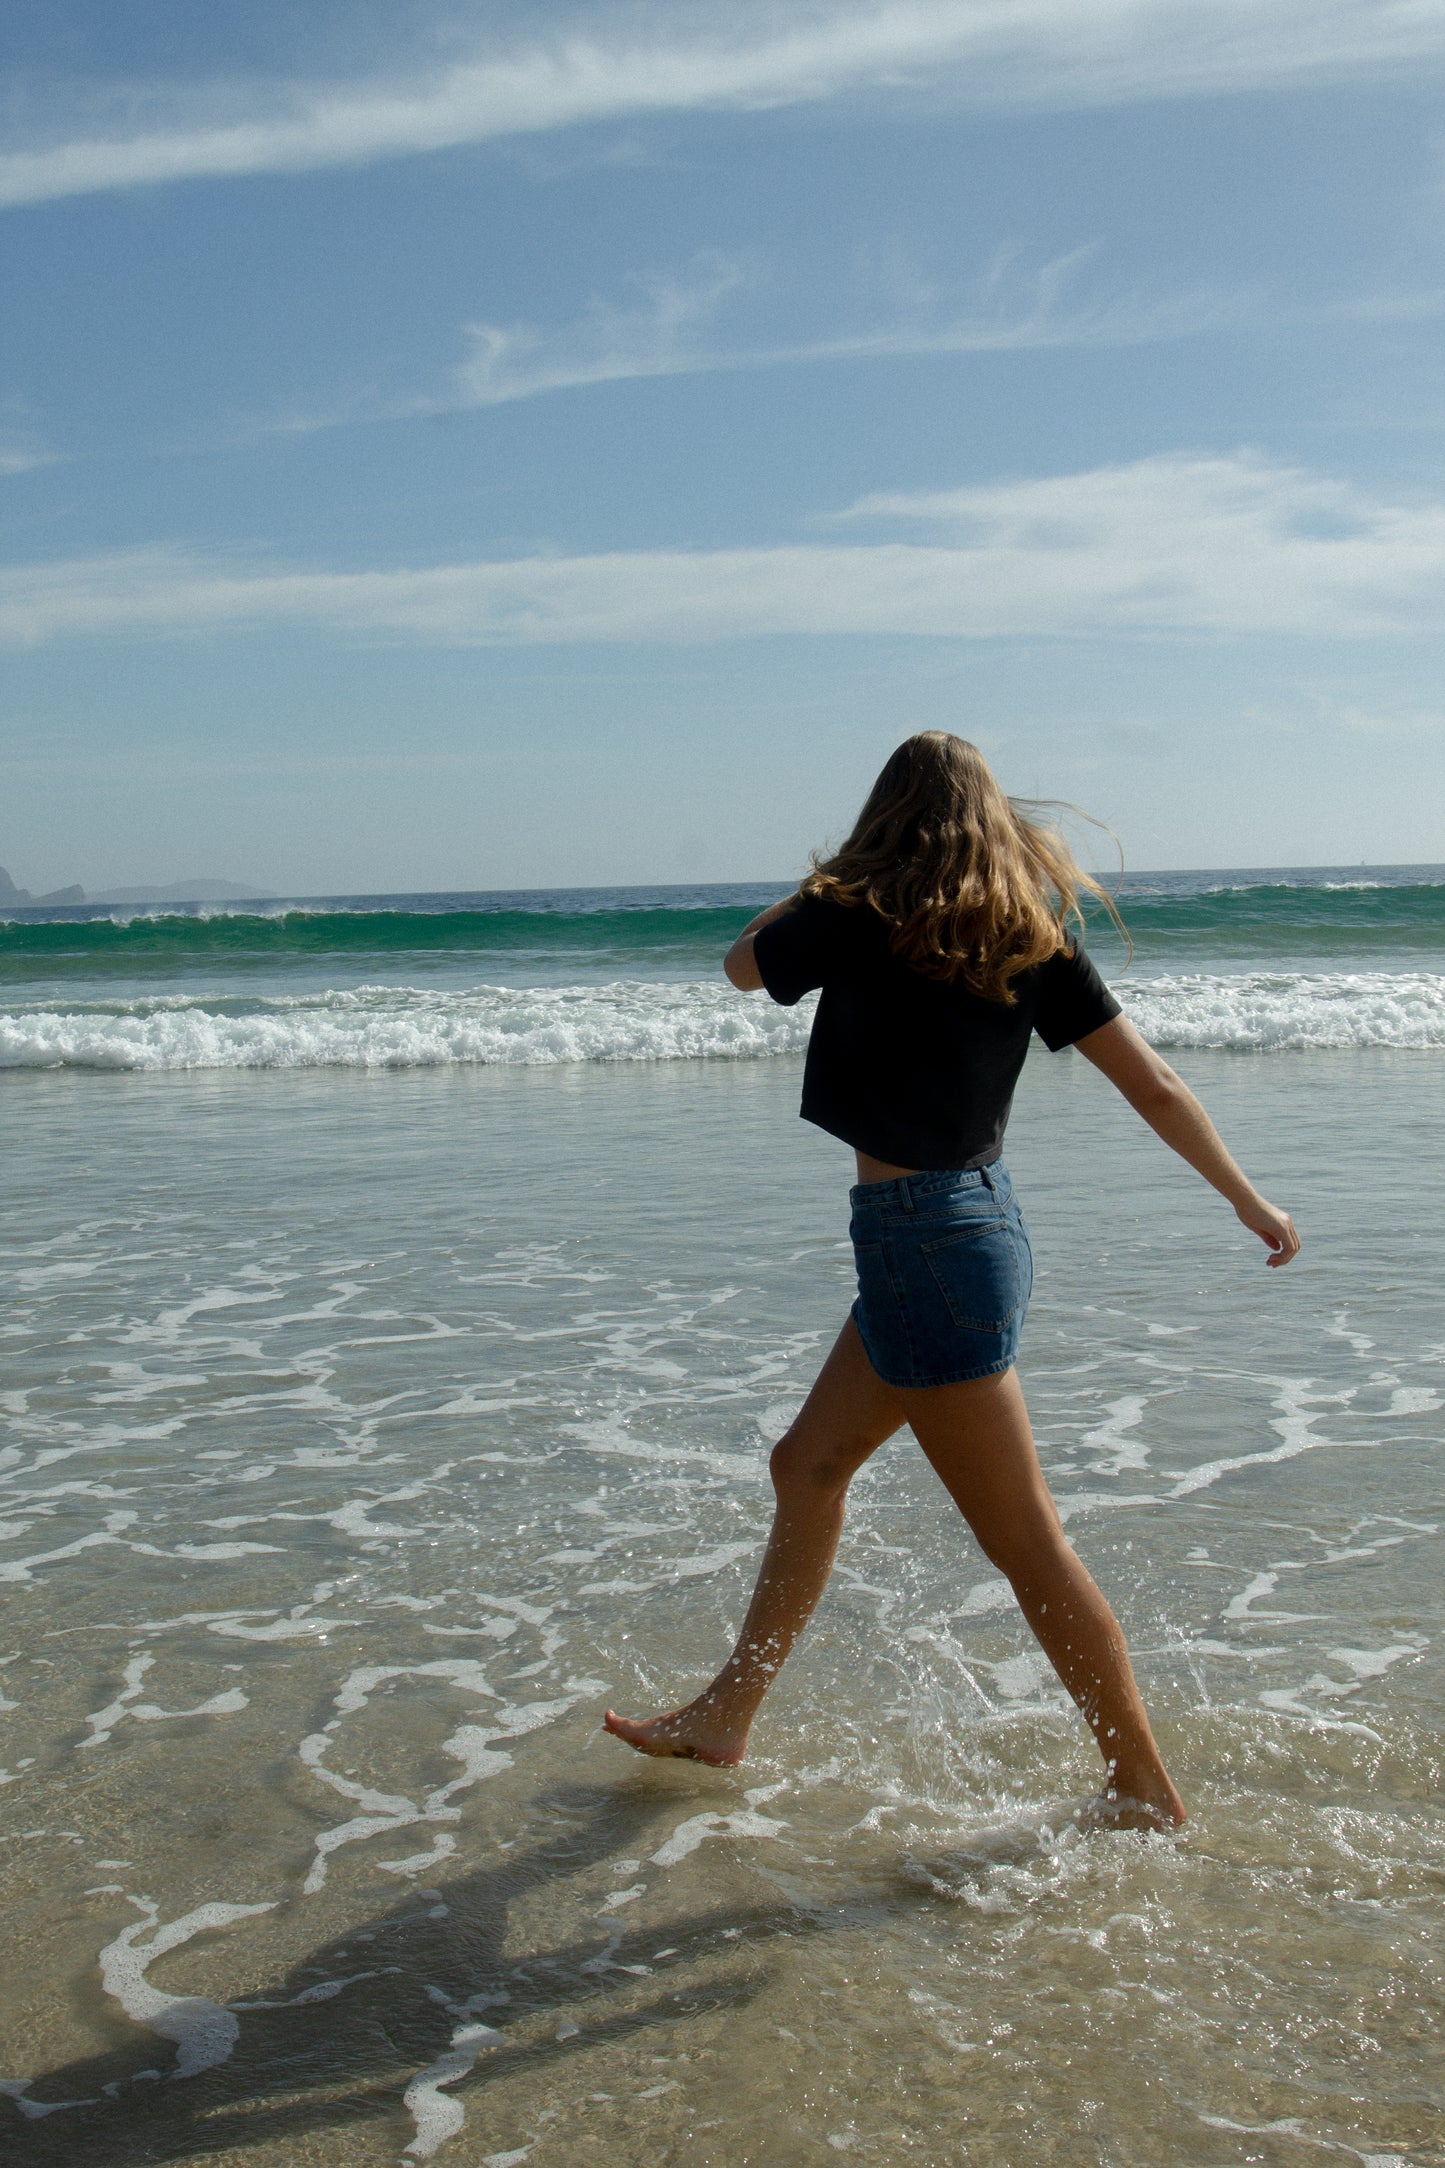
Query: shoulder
{"type": "Point", "coordinates": [812, 941]}
{"type": "Point", "coordinates": [1058, 969]}
{"type": "Point", "coordinates": [793, 950]}
{"type": "Point", "coordinates": [839, 927]}
{"type": "Point", "coordinates": [824, 907]}
{"type": "Point", "coordinates": [1070, 999]}
{"type": "Point", "coordinates": [1072, 961]}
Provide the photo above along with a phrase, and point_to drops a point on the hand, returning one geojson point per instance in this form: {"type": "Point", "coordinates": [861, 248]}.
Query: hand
{"type": "Point", "coordinates": [1274, 1228]}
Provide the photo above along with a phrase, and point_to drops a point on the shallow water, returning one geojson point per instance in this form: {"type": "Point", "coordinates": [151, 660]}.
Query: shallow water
{"type": "Point", "coordinates": [351, 1471]}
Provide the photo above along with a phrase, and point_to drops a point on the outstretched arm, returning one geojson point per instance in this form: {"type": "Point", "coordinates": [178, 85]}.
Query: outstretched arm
{"type": "Point", "coordinates": [1170, 1108]}
{"type": "Point", "coordinates": [739, 963]}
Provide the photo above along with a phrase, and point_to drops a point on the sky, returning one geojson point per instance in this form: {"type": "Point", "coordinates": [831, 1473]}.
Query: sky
{"type": "Point", "coordinates": [511, 445]}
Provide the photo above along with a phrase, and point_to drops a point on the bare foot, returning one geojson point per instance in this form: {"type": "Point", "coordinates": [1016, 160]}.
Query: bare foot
{"type": "Point", "coordinates": [1159, 1807]}
{"type": "Point", "coordinates": [695, 1733]}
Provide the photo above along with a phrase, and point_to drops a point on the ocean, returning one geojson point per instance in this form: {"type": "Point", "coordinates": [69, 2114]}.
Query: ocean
{"type": "Point", "coordinates": [401, 1297]}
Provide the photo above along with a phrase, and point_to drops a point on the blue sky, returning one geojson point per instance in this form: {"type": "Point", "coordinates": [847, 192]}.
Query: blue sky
{"type": "Point", "coordinates": [505, 445]}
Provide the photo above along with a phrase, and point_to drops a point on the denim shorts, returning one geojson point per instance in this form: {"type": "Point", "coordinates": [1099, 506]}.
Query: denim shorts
{"type": "Point", "coordinates": [944, 1275]}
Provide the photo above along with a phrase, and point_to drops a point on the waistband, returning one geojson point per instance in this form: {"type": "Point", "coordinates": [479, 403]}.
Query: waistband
{"type": "Point", "coordinates": [907, 1192]}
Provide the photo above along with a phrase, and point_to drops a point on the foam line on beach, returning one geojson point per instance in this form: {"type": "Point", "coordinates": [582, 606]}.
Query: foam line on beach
{"type": "Point", "coordinates": [473, 1745]}
{"type": "Point", "coordinates": [438, 2117]}
{"type": "Point", "coordinates": [102, 1722]}
{"type": "Point", "coordinates": [204, 2032]}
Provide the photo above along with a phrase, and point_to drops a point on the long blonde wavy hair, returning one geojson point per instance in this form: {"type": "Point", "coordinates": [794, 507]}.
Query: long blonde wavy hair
{"type": "Point", "coordinates": [973, 888]}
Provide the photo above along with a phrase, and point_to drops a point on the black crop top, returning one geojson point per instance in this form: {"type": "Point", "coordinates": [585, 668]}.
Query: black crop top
{"type": "Point", "coordinates": [909, 1069]}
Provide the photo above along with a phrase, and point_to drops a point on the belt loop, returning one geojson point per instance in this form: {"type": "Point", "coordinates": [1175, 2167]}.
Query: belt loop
{"type": "Point", "coordinates": [988, 1181]}
{"type": "Point", "coordinates": [906, 1186]}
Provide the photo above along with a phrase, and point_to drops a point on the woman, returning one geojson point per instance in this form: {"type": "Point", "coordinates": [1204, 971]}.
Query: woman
{"type": "Point", "coordinates": [938, 936]}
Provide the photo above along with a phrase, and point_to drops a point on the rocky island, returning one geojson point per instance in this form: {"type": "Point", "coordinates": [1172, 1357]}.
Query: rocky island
{"type": "Point", "coordinates": [196, 890]}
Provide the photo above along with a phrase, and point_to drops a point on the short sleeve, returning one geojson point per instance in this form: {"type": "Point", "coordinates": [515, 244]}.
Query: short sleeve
{"type": "Point", "coordinates": [791, 951]}
{"type": "Point", "coordinates": [1072, 1000]}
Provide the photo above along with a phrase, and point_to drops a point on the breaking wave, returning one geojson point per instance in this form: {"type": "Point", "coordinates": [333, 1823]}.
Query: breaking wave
{"type": "Point", "coordinates": [380, 1027]}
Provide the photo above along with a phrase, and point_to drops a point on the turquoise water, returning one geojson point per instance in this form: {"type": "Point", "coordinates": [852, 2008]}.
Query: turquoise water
{"type": "Point", "coordinates": [1337, 957]}
{"type": "Point", "coordinates": [389, 1381]}
{"type": "Point", "coordinates": [1319, 912]}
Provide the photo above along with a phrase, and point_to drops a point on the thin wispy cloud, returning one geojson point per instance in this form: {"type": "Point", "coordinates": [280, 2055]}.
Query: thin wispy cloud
{"type": "Point", "coordinates": [21, 448]}
{"type": "Point", "coordinates": [675, 329]}
{"type": "Point", "coordinates": [1190, 545]}
{"type": "Point", "coordinates": [21, 458]}
{"type": "Point", "coordinates": [669, 331]}
{"type": "Point", "coordinates": [1051, 53]}
{"type": "Point", "coordinates": [677, 324]}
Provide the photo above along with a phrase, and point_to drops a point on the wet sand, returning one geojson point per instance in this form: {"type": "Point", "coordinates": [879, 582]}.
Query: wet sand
{"type": "Point", "coordinates": [367, 1433]}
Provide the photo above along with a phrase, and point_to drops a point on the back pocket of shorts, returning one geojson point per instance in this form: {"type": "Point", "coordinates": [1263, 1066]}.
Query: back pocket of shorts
{"type": "Point", "coordinates": [977, 1271]}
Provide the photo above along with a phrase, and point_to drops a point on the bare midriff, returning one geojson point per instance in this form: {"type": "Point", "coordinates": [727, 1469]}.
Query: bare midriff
{"type": "Point", "coordinates": [880, 1170]}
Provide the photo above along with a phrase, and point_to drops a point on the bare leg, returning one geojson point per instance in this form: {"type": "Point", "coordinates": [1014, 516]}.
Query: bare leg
{"type": "Point", "coordinates": [978, 1439]}
{"type": "Point", "coordinates": [846, 1416]}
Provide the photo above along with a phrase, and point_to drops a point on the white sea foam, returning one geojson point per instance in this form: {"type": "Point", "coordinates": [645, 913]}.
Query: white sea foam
{"type": "Point", "coordinates": [102, 1722]}
{"type": "Point", "coordinates": [688, 1835]}
{"type": "Point", "coordinates": [204, 2031]}
{"type": "Point", "coordinates": [1270, 1009]}
{"type": "Point", "coordinates": [386, 1813]}
{"type": "Point", "coordinates": [641, 1020]}
{"type": "Point", "coordinates": [407, 1027]}
{"type": "Point", "coordinates": [437, 2117]}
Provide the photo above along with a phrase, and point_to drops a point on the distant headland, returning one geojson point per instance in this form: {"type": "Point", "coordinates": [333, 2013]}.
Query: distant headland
{"type": "Point", "coordinates": [188, 891]}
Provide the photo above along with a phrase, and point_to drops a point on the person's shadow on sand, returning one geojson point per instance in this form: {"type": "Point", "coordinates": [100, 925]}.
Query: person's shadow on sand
{"type": "Point", "coordinates": [309, 2057]}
